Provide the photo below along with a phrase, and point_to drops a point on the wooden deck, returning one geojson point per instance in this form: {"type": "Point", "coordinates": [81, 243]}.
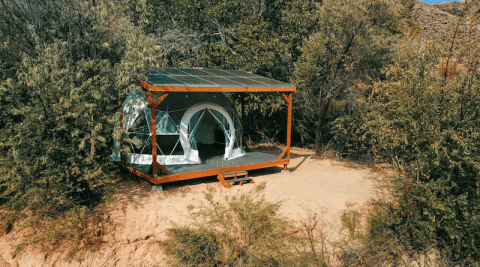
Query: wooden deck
{"type": "Point", "coordinates": [209, 167]}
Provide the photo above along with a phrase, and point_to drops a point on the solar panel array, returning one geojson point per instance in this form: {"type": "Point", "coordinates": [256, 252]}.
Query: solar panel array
{"type": "Point", "coordinates": [183, 77]}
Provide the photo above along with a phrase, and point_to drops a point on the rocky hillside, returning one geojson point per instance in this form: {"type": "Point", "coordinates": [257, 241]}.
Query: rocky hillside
{"type": "Point", "coordinates": [433, 19]}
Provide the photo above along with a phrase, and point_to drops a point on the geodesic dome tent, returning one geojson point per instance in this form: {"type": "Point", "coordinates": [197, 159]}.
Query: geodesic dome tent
{"type": "Point", "coordinates": [181, 119]}
{"type": "Point", "coordinates": [184, 122]}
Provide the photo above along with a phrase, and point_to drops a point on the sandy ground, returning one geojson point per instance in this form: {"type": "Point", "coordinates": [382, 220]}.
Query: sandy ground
{"type": "Point", "coordinates": [139, 217]}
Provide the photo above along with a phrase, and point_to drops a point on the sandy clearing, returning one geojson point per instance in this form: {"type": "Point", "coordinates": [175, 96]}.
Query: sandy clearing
{"type": "Point", "coordinates": [139, 217]}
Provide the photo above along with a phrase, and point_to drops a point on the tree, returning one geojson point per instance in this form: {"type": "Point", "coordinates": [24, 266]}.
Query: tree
{"type": "Point", "coordinates": [350, 45]}
{"type": "Point", "coordinates": [263, 37]}
{"type": "Point", "coordinates": [424, 117]}
{"type": "Point", "coordinates": [60, 100]}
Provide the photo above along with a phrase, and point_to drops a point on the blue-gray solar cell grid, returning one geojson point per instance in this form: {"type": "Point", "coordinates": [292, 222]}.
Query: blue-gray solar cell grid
{"type": "Point", "coordinates": [210, 78]}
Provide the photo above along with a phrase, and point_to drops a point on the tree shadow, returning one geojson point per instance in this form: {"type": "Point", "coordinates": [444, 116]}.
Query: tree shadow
{"type": "Point", "coordinates": [130, 190]}
{"type": "Point", "coordinates": [133, 190]}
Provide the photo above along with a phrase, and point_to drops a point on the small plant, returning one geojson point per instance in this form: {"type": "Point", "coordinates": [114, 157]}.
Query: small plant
{"type": "Point", "coordinates": [351, 220]}
{"type": "Point", "coordinates": [240, 230]}
{"type": "Point", "coordinates": [316, 234]}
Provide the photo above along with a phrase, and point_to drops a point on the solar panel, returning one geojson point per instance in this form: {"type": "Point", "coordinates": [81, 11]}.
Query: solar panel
{"type": "Point", "coordinates": [185, 77]}
{"type": "Point", "coordinates": [220, 73]}
{"type": "Point", "coordinates": [173, 71]}
{"type": "Point", "coordinates": [193, 80]}
{"type": "Point", "coordinates": [243, 74]}
{"type": "Point", "coordinates": [195, 72]}
{"type": "Point", "coordinates": [270, 81]}
{"type": "Point", "coordinates": [249, 82]}
{"type": "Point", "coordinates": [222, 81]}
{"type": "Point", "coordinates": [157, 79]}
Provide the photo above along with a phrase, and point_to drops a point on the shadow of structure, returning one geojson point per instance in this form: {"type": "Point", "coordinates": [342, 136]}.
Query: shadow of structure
{"type": "Point", "coordinates": [276, 150]}
{"type": "Point", "coordinates": [131, 190]}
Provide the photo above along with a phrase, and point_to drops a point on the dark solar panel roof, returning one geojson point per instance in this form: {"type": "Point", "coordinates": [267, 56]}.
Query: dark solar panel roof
{"type": "Point", "coordinates": [183, 77]}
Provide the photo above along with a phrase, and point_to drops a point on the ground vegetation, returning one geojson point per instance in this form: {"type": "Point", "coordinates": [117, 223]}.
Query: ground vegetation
{"type": "Point", "coordinates": [242, 230]}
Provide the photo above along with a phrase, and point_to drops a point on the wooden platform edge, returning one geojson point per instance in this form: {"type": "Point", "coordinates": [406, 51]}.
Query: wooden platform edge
{"type": "Point", "coordinates": [138, 173]}
{"type": "Point", "coordinates": [206, 173]}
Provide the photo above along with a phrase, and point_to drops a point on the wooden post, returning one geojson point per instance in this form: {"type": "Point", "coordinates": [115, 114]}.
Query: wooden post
{"type": "Point", "coordinates": [289, 100]}
{"type": "Point", "coordinates": [243, 124]}
{"type": "Point", "coordinates": [153, 119]}
{"type": "Point", "coordinates": [289, 124]}
{"type": "Point", "coordinates": [123, 157]}
{"type": "Point", "coordinates": [154, 137]}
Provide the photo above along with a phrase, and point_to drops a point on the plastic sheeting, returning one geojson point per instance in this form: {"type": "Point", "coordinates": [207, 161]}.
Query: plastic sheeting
{"type": "Point", "coordinates": [195, 118]}
{"type": "Point", "coordinates": [195, 114]}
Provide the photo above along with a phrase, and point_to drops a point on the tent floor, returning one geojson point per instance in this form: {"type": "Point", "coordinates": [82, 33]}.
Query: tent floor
{"type": "Point", "coordinates": [210, 167]}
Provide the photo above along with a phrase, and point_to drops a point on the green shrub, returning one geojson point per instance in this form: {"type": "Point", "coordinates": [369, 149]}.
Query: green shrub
{"type": "Point", "coordinates": [424, 118]}
{"type": "Point", "coordinates": [240, 230]}
{"type": "Point", "coordinates": [60, 104]}
{"type": "Point", "coordinates": [349, 46]}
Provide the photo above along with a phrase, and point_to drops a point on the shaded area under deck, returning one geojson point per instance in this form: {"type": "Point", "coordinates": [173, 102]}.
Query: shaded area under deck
{"type": "Point", "coordinates": [210, 167]}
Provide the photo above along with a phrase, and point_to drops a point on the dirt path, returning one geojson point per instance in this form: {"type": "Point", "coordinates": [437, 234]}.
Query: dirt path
{"type": "Point", "coordinates": [140, 217]}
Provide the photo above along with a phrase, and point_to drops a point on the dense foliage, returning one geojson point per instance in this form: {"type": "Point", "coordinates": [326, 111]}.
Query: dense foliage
{"type": "Point", "coordinates": [425, 118]}
{"type": "Point", "coordinates": [348, 49]}
{"type": "Point", "coordinates": [264, 37]}
{"type": "Point", "coordinates": [59, 96]}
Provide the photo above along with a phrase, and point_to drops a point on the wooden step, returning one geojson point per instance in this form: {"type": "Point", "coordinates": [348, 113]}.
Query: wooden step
{"type": "Point", "coordinates": [235, 174]}
{"type": "Point", "coordinates": [238, 180]}
{"type": "Point", "coordinates": [226, 183]}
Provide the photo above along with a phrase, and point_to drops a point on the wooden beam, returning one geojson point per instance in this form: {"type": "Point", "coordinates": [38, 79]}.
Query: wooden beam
{"type": "Point", "coordinates": [139, 173]}
{"type": "Point", "coordinates": [285, 151]}
{"type": "Point", "coordinates": [155, 88]}
{"type": "Point", "coordinates": [289, 100]}
{"type": "Point", "coordinates": [158, 165]}
{"type": "Point", "coordinates": [151, 98]}
{"type": "Point", "coordinates": [214, 172]}
{"type": "Point", "coordinates": [221, 178]}
{"type": "Point", "coordinates": [160, 100]}
{"type": "Point", "coordinates": [146, 92]}
{"type": "Point", "coordinates": [243, 118]}
{"type": "Point", "coordinates": [153, 119]}
{"type": "Point", "coordinates": [289, 123]}
{"type": "Point", "coordinates": [286, 98]}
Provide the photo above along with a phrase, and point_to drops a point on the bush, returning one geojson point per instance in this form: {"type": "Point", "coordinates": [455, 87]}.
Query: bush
{"type": "Point", "coordinates": [60, 106]}
{"type": "Point", "coordinates": [349, 47]}
{"type": "Point", "coordinates": [424, 118]}
{"type": "Point", "coordinates": [241, 230]}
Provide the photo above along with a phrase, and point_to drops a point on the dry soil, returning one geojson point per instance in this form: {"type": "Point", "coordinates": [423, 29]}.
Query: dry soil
{"type": "Point", "coordinates": [138, 217]}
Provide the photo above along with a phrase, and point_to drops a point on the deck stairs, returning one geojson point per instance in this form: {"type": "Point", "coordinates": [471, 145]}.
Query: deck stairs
{"type": "Point", "coordinates": [238, 177]}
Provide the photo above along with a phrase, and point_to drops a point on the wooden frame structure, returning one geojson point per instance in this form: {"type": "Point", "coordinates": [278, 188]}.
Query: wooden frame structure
{"type": "Point", "coordinates": [153, 176]}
